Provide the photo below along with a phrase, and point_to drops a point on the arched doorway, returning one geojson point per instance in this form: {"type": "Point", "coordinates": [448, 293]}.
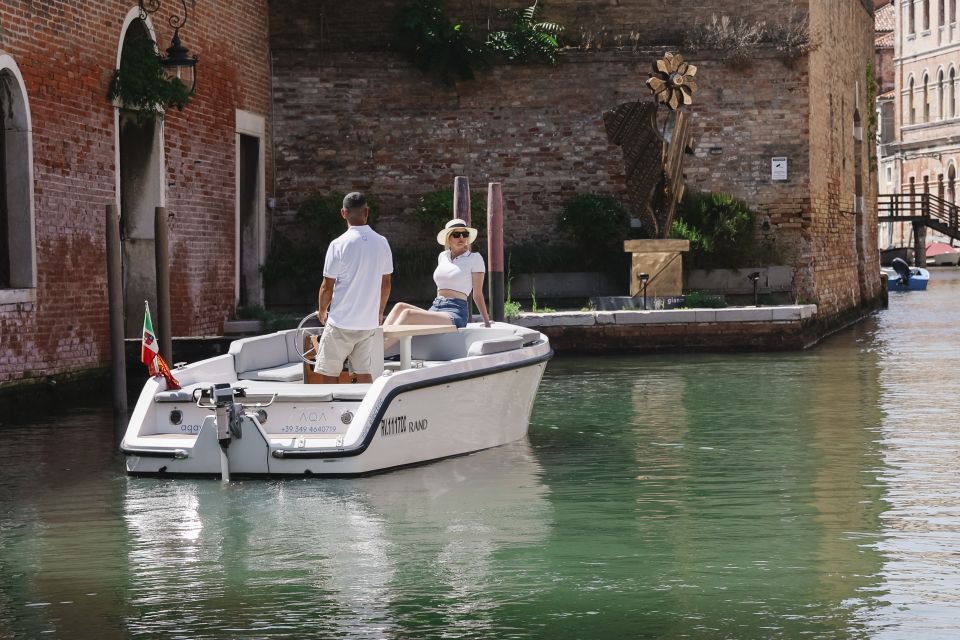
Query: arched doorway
{"type": "Point", "coordinates": [140, 189]}
{"type": "Point", "coordinates": [18, 258]}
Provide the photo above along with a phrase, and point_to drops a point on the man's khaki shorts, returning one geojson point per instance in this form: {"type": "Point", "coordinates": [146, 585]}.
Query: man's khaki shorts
{"type": "Point", "coordinates": [336, 345]}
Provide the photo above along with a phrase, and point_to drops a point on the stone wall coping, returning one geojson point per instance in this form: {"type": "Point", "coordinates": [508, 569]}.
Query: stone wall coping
{"type": "Point", "coordinates": [656, 246]}
{"type": "Point", "coordinates": [785, 313]}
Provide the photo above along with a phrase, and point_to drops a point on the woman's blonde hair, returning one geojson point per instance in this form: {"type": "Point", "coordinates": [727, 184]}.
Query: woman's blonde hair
{"type": "Point", "coordinates": [448, 245]}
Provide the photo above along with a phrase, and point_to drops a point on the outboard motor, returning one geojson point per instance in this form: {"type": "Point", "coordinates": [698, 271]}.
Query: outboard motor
{"type": "Point", "coordinates": [221, 398]}
{"type": "Point", "coordinates": [903, 270]}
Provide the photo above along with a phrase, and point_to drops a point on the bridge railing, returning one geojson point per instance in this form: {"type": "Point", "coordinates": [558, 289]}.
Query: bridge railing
{"type": "Point", "coordinates": [911, 206]}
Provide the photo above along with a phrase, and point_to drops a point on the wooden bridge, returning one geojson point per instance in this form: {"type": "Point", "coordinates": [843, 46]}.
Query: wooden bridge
{"type": "Point", "coordinates": [922, 210]}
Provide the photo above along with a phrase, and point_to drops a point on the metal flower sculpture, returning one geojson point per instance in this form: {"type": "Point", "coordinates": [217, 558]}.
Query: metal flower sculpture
{"type": "Point", "coordinates": [672, 81]}
{"type": "Point", "coordinates": [653, 153]}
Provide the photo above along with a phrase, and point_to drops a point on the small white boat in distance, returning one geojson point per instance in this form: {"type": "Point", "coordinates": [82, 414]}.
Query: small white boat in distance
{"type": "Point", "coordinates": [941, 254]}
{"type": "Point", "coordinates": [249, 412]}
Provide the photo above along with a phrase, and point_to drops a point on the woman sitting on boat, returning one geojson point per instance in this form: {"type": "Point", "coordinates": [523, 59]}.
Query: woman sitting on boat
{"type": "Point", "coordinates": [459, 272]}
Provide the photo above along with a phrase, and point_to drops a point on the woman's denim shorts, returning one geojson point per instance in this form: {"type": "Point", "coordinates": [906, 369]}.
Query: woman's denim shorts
{"type": "Point", "coordinates": [453, 307]}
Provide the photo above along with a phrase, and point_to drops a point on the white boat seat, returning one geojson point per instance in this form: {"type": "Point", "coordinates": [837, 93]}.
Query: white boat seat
{"type": "Point", "coordinates": [292, 372]}
{"type": "Point", "coordinates": [259, 352]}
{"type": "Point", "coordinates": [496, 345]}
{"type": "Point", "coordinates": [529, 336]}
{"type": "Point", "coordinates": [451, 346]}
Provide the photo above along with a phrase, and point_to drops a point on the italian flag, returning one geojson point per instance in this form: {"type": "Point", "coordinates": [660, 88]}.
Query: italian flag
{"type": "Point", "coordinates": [150, 351]}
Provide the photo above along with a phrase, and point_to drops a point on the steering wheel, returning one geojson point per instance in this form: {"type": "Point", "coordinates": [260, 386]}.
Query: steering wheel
{"type": "Point", "coordinates": [308, 355]}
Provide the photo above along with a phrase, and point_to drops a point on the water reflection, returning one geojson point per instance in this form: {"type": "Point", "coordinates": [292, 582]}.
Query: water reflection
{"type": "Point", "coordinates": [61, 546]}
{"type": "Point", "coordinates": [919, 396]}
{"type": "Point", "coordinates": [746, 480]}
{"type": "Point", "coordinates": [341, 556]}
{"type": "Point", "coordinates": [706, 496]}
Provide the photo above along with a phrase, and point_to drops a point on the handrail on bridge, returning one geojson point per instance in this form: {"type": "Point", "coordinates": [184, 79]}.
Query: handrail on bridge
{"type": "Point", "coordinates": [925, 208]}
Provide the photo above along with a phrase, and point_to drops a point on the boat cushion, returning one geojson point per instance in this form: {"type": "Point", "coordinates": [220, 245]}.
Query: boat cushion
{"type": "Point", "coordinates": [292, 372]}
{"type": "Point", "coordinates": [259, 352]}
{"type": "Point", "coordinates": [494, 345]}
{"type": "Point", "coordinates": [438, 346]}
{"type": "Point", "coordinates": [529, 336]}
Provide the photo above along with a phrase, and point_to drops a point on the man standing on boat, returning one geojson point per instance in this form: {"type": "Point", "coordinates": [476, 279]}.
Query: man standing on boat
{"type": "Point", "coordinates": [356, 285]}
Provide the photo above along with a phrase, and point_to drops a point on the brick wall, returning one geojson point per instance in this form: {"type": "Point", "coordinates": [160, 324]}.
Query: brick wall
{"type": "Point", "coordinates": [839, 269]}
{"type": "Point", "coordinates": [66, 52]}
{"type": "Point", "coordinates": [353, 114]}
{"type": "Point", "coordinates": [368, 25]}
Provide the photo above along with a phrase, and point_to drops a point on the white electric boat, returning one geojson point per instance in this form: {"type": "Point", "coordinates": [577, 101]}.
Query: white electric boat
{"type": "Point", "coordinates": [250, 412]}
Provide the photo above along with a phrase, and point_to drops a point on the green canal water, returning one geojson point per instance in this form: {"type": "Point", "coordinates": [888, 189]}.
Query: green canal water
{"type": "Point", "coordinates": [794, 495]}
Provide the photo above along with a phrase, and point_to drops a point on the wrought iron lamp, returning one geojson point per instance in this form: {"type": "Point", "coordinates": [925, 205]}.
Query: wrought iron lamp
{"type": "Point", "coordinates": [755, 278]}
{"type": "Point", "coordinates": [178, 60]}
{"type": "Point", "coordinates": [644, 278]}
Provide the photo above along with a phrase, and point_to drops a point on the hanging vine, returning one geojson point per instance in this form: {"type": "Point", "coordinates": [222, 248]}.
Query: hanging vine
{"type": "Point", "coordinates": [141, 83]}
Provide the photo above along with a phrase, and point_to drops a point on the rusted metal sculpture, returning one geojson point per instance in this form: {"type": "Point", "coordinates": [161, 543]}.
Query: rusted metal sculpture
{"type": "Point", "coordinates": [672, 81]}
{"type": "Point", "coordinates": [653, 155]}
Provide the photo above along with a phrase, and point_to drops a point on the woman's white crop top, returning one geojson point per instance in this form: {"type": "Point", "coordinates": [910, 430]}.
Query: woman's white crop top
{"type": "Point", "coordinates": [457, 274]}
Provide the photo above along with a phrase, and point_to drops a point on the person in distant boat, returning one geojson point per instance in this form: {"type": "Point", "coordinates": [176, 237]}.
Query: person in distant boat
{"type": "Point", "coordinates": [459, 273]}
{"type": "Point", "coordinates": [353, 296]}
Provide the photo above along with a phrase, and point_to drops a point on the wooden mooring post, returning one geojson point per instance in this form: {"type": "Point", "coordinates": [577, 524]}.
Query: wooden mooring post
{"type": "Point", "coordinates": [919, 243]}
{"type": "Point", "coordinates": [495, 249]}
{"type": "Point", "coordinates": [461, 199]}
{"type": "Point", "coordinates": [115, 310]}
{"type": "Point", "coordinates": [161, 229]}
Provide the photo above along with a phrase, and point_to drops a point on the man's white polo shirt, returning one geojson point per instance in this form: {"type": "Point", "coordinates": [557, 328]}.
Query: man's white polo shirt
{"type": "Point", "coordinates": [357, 260]}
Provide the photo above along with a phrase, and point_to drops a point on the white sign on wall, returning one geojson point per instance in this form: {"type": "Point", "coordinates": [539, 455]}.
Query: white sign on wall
{"type": "Point", "coordinates": [778, 168]}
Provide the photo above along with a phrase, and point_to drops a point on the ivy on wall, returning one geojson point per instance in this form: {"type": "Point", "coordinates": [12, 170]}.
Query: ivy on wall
{"type": "Point", "coordinates": [141, 84]}
{"type": "Point", "coordinates": [454, 50]}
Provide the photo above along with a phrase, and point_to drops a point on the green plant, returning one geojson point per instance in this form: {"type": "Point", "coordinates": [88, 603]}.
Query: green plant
{"type": "Point", "coordinates": [451, 50]}
{"type": "Point", "coordinates": [526, 40]}
{"type": "Point", "coordinates": [533, 300]}
{"type": "Point", "coordinates": [436, 45]}
{"type": "Point", "coordinates": [702, 300]}
{"type": "Point", "coordinates": [598, 225]}
{"type": "Point", "coordinates": [141, 84]}
{"type": "Point", "coordinates": [435, 209]}
{"type": "Point", "coordinates": [720, 229]}
{"type": "Point", "coordinates": [511, 309]}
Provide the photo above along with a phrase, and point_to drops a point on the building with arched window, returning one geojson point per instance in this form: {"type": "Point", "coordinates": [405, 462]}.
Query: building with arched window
{"type": "Point", "coordinates": [299, 98]}
{"type": "Point", "coordinates": [67, 152]}
{"type": "Point", "coordinates": [922, 146]}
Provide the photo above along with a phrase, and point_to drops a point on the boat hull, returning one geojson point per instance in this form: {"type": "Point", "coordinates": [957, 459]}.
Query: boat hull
{"type": "Point", "coordinates": [917, 282]}
{"type": "Point", "coordinates": [944, 260]}
{"type": "Point", "coordinates": [406, 418]}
